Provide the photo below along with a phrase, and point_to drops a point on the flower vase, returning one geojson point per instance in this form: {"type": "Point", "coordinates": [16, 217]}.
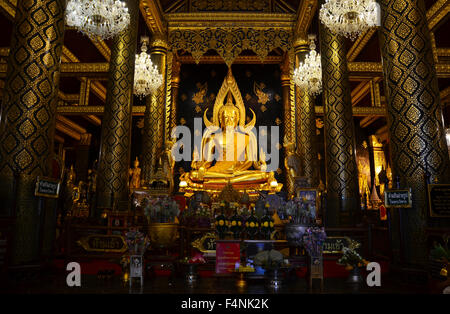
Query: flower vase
{"type": "Point", "coordinates": [275, 279]}
{"type": "Point", "coordinates": [355, 276]}
{"type": "Point", "coordinates": [190, 274]}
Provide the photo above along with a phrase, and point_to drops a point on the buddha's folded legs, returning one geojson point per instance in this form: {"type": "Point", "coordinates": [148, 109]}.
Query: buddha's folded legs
{"type": "Point", "coordinates": [243, 177]}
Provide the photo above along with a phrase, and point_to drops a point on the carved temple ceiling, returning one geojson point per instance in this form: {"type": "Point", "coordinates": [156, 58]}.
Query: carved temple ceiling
{"type": "Point", "coordinates": [227, 31]}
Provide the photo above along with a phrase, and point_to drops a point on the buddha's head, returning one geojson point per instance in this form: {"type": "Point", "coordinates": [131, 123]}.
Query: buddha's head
{"type": "Point", "coordinates": [136, 163]}
{"type": "Point", "coordinates": [229, 114]}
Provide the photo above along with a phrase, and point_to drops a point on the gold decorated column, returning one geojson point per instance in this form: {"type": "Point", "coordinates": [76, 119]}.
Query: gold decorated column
{"type": "Point", "coordinates": [176, 67]}
{"type": "Point", "coordinates": [114, 161]}
{"type": "Point", "coordinates": [28, 114]}
{"type": "Point", "coordinates": [417, 137]}
{"type": "Point", "coordinates": [288, 124]}
{"type": "Point", "coordinates": [342, 175]}
{"type": "Point", "coordinates": [306, 122]}
{"type": "Point", "coordinates": [153, 138]}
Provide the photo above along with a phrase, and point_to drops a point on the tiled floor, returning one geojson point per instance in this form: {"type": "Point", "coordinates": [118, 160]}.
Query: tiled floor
{"type": "Point", "coordinates": [166, 285]}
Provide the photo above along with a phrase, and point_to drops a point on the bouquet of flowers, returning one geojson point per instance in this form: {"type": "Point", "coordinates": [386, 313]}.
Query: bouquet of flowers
{"type": "Point", "coordinates": [350, 258]}
{"type": "Point", "coordinates": [442, 253]}
{"type": "Point", "coordinates": [161, 209]}
{"type": "Point", "coordinates": [196, 259]}
{"type": "Point", "coordinates": [136, 241]}
{"type": "Point", "coordinates": [298, 212]}
{"type": "Point", "coordinates": [313, 240]}
{"type": "Point", "coordinates": [269, 260]}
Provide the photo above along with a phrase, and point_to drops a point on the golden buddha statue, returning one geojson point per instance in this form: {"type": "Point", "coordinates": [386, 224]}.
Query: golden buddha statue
{"type": "Point", "coordinates": [228, 155]}
{"type": "Point", "coordinates": [135, 174]}
{"type": "Point", "coordinates": [292, 161]}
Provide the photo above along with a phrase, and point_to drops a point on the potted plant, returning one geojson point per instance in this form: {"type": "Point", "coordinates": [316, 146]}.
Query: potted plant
{"type": "Point", "coordinates": [300, 219]}
{"type": "Point", "coordinates": [137, 244]}
{"type": "Point", "coordinates": [203, 216]}
{"type": "Point", "coordinates": [352, 262]}
{"type": "Point", "coordinates": [136, 241]}
{"type": "Point", "coordinates": [199, 216]}
{"type": "Point", "coordinates": [440, 264]}
{"type": "Point", "coordinates": [161, 213]}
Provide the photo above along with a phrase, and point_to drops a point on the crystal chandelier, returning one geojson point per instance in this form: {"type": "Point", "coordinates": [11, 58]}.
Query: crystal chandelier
{"type": "Point", "coordinates": [147, 78]}
{"type": "Point", "coordinates": [350, 17]}
{"type": "Point", "coordinates": [103, 18]}
{"type": "Point", "coordinates": [308, 75]}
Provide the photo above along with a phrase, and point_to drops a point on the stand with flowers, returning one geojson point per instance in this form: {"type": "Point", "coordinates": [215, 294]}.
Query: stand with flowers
{"type": "Point", "coordinates": [190, 267]}
{"type": "Point", "coordinates": [300, 218]}
{"type": "Point", "coordinates": [313, 242]}
{"type": "Point", "coordinates": [353, 262]}
{"type": "Point", "coordinates": [137, 245]}
{"type": "Point", "coordinates": [161, 214]}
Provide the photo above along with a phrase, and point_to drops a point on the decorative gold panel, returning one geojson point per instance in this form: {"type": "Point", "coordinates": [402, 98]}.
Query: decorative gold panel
{"type": "Point", "coordinates": [229, 42]}
{"type": "Point", "coordinates": [168, 102]}
{"type": "Point", "coordinates": [288, 123]}
{"type": "Point", "coordinates": [230, 5]}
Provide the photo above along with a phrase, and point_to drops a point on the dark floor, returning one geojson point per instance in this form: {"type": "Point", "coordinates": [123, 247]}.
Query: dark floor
{"type": "Point", "coordinates": [56, 284]}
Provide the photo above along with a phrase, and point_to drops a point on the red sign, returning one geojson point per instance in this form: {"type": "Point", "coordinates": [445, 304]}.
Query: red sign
{"type": "Point", "coordinates": [383, 215]}
{"type": "Point", "coordinates": [227, 254]}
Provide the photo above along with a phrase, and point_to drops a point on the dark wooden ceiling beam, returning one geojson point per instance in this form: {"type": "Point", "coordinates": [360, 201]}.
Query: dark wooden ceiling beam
{"type": "Point", "coordinates": [360, 91]}
{"type": "Point", "coordinates": [359, 44]}
{"type": "Point", "coordinates": [93, 119]}
{"type": "Point", "coordinates": [305, 15]}
{"type": "Point", "coordinates": [445, 96]}
{"type": "Point", "coordinates": [70, 124]}
{"type": "Point", "coordinates": [153, 15]}
{"type": "Point", "coordinates": [438, 13]}
{"type": "Point", "coordinates": [366, 121]}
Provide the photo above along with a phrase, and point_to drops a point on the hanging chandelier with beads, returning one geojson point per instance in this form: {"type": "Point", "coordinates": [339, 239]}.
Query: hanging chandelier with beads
{"type": "Point", "coordinates": [102, 18]}
{"type": "Point", "coordinates": [147, 78]}
{"type": "Point", "coordinates": [350, 17]}
{"type": "Point", "coordinates": [308, 75]}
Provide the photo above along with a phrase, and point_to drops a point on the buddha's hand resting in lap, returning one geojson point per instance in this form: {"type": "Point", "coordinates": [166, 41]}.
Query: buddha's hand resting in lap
{"type": "Point", "coordinates": [201, 172]}
{"type": "Point", "coordinates": [262, 160]}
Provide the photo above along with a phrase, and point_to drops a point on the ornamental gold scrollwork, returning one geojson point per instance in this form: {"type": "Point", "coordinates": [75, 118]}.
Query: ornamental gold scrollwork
{"type": "Point", "coordinates": [230, 5]}
{"type": "Point", "coordinates": [199, 244]}
{"type": "Point", "coordinates": [230, 42]}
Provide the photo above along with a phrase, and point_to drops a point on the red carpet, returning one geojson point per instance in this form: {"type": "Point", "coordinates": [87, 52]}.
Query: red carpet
{"type": "Point", "coordinates": [330, 269]}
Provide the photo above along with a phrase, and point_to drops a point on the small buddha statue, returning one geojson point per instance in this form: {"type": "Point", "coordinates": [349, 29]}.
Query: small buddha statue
{"type": "Point", "coordinates": [292, 161]}
{"type": "Point", "coordinates": [70, 192]}
{"type": "Point", "coordinates": [71, 176]}
{"type": "Point", "coordinates": [135, 174]}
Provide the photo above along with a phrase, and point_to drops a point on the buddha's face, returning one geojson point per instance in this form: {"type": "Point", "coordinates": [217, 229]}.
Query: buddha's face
{"type": "Point", "coordinates": [136, 164]}
{"type": "Point", "coordinates": [229, 117]}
